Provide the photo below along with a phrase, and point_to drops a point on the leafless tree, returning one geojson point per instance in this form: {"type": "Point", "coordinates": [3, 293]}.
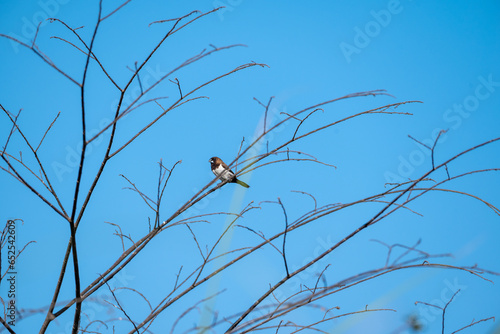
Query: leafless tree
{"type": "Point", "coordinates": [268, 312]}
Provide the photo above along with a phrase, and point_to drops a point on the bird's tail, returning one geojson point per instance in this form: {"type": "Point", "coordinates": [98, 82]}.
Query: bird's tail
{"type": "Point", "coordinates": [241, 183]}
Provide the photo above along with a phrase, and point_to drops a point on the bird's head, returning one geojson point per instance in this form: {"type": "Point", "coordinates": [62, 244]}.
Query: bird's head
{"type": "Point", "coordinates": [213, 160]}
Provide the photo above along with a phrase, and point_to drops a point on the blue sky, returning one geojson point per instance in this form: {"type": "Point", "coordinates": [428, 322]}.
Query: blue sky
{"type": "Point", "coordinates": [444, 54]}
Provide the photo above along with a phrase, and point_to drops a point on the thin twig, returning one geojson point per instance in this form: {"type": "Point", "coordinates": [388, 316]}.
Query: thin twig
{"type": "Point", "coordinates": [197, 243]}
{"type": "Point", "coordinates": [349, 236]}
{"type": "Point", "coordinates": [117, 9]}
{"type": "Point", "coordinates": [46, 131]}
{"type": "Point", "coordinates": [239, 150]}
{"type": "Point", "coordinates": [473, 323]}
{"type": "Point", "coordinates": [121, 308]}
{"type": "Point", "coordinates": [302, 121]}
{"type": "Point", "coordinates": [138, 78]}
{"type": "Point", "coordinates": [284, 236]}
{"type": "Point", "coordinates": [46, 59]}
{"type": "Point", "coordinates": [306, 193]}
{"type": "Point", "coordinates": [446, 306]}
{"type": "Point", "coordinates": [266, 107]}
{"type": "Point", "coordinates": [176, 82]}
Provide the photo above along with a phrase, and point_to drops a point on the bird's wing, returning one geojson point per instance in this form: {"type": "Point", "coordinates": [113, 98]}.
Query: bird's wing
{"type": "Point", "coordinates": [223, 164]}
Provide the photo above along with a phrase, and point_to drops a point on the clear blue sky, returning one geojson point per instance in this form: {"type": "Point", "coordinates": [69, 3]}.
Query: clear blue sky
{"type": "Point", "coordinates": [444, 54]}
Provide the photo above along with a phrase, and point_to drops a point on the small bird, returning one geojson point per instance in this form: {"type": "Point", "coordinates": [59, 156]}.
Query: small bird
{"type": "Point", "coordinates": [220, 169]}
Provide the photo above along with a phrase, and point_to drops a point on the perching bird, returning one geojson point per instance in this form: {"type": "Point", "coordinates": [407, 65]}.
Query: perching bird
{"type": "Point", "coordinates": [220, 169]}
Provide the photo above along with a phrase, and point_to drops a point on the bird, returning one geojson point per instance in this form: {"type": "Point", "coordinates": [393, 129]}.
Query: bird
{"type": "Point", "coordinates": [220, 169]}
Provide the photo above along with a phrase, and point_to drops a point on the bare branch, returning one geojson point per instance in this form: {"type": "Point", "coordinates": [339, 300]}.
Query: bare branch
{"type": "Point", "coordinates": [45, 181]}
{"type": "Point", "coordinates": [178, 18]}
{"type": "Point", "coordinates": [149, 202]}
{"type": "Point", "coordinates": [89, 54]}
{"type": "Point", "coordinates": [176, 82]}
{"type": "Point", "coordinates": [473, 323]}
{"type": "Point", "coordinates": [175, 104]}
{"type": "Point", "coordinates": [352, 234]}
{"type": "Point", "coordinates": [302, 121]}
{"type": "Point", "coordinates": [196, 241]}
{"type": "Point", "coordinates": [262, 236]}
{"type": "Point", "coordinates": [46, 131]}
{"type": "Point", "coordinates": [284, 236]}
{"type": "Point", "coordinates": [42, 56]}
{"type": "Point", "coordinates": [433, 146]}
{"type": "Point", "coordinates": [448, 303]}
{"type": "Point", "coordinates": [441, 308]}
{"type": "Point", "coordinates": [6, 325]}
{"type": "Point", "coordinates": [120, 235]}
{"type": "Point", "coordinates": [266, 107]}
{"type": "Point", "coordinates": [117, 9]}
{"type": "Point", "coordinates": [118, 306]}
{"type": "Point", "coordinates": [192, 308]}
{"type": "Point", "coordinates": [305, 193]}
